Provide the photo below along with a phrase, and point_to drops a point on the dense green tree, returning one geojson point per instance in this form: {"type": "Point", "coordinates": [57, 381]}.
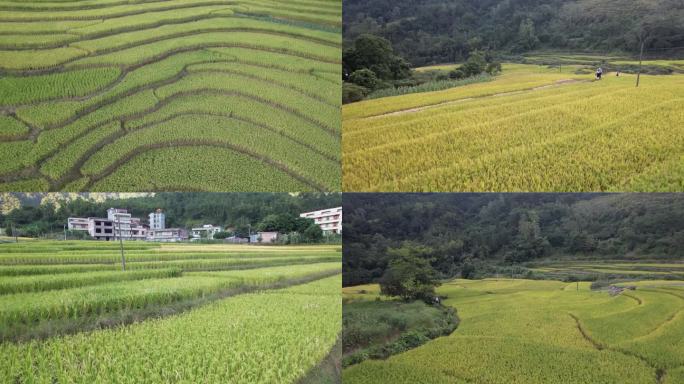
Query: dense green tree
{"type": "Point", "coordinates": [221, 235]}
{"type": "Point", "coordinates": [301, 224]}
{"type": "Point", "coordinates": [409, 274]}
{"type": "Point", "coordinates": [312, 234]}
{"type": "Point", "coordinates": [270, 223]}
{"type": "Point", "coordinates": [526, 35]}
{"type": "Point", "coordinates": [529, 243]}
{"type": "Point", "coordinates": [364, 78]}
{"type": "Point", "coordinates": [375, 54]}
{"type": "Point", "coordinates": [475, 64]}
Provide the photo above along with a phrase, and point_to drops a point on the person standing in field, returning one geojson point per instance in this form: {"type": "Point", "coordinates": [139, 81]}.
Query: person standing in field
{"type": "Point", "coordinates": [599, 73]}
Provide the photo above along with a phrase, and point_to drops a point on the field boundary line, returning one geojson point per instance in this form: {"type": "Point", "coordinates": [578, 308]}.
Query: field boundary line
{"type": "Point", "coordinates": [659, 372]}
{"type": "Point", "coordinates": [531, 96]}
{"type": "Point", "coordinates": [457, 101]}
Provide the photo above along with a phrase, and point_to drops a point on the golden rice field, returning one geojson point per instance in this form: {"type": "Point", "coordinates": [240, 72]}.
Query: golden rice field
{"type": "Point", "coordinates": [531, 129]}
{"type": "Point", "coordinates": [218, 95]}
{"type": "Point", "coordinates": [608, 270]}
{"type": "Point", "coordinates": [180, 313]}
{"type": "Point", "coordinates": [592, 60]}
{"type": "Point", "coordinates": [544, 331]}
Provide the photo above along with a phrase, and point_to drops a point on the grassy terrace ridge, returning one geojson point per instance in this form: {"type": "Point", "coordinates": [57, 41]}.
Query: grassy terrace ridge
{"type": "Point", "coordinates": [94, 90]}
{"type": "Point", "coordinates": [530, 129]}
{"type": "Point", "coordinates": [544, 331]}
{"type": "Point", "coordinates": [239, 338]}
{"type": "Point", "coordinates": [608, 270]}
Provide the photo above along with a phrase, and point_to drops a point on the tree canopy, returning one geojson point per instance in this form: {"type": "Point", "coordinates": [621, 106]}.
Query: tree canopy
{"type": "Point", "coordinates": [459, 231]}
{"type": "Point", "coordinates": [409, 274]}
{"type": "Point", "coordinates": [439, 31]}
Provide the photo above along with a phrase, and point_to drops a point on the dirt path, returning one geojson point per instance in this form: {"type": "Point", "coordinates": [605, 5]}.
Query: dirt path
{"type": "Point", "coordinates": [419, 109]}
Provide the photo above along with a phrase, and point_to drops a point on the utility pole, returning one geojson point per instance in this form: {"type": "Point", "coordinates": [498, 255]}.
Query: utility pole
{"type": "Point", "coordinates": [65, 237]}
{"type": "Point", "coordinates": [641, 56]}
{"type": "Point", "coordinates": [123, 258]}
{"type": "Point", "coordinates": [14, 233]}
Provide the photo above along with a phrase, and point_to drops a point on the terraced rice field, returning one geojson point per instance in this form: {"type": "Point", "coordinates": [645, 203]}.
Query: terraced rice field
{"type": "Point", "coordinates": [593, 60]}
{"type": "Point", "coordinates": [536, 331]}
{"type": "Point", "coordinates": [614, 269]}
{"type": "Point", "coordinates": [105, 95]}
{"type": "Point", "coordinates": [240, 322]}
{"type": "Point", "coordinates": [531, 129]}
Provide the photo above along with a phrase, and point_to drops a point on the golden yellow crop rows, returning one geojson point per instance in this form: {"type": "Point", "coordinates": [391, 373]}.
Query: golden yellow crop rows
{"type": "Point", "coordinates": [529, 331]}
{"type": "Point", "coordinates": [529, 130]}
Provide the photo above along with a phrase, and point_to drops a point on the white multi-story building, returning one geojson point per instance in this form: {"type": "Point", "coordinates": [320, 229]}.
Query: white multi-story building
{"type": "Point", "coordinates": [206, 231]}
{"type": "Point", "coordinates": [118, 224]}
{"type": "Point", "coordinates": [330, 220]}
{"type": "Point", "coordinates": [98, 228]}
{"type": "Point", "coordinates": [125, 226]}
{"type": "Point", "coordinates": [157, 219]}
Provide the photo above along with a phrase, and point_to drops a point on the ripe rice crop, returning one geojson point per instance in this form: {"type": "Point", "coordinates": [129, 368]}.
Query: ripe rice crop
{"type": "Point", "coordinates": [531, 331]}
{"type": "Point", "coordinates": [608, 270]}
{"type": "Point", "coordinates": [106, 297]}
{"type": "Point", "coordinates": [527, 130]}
{"type": "Point", "coordinates": [238, 339]}
{"type": "Point", "coordinates": [52, 280]}
{"type": "Point", "coordinates": [83, 83]}
{"type": "Point", "coordinates": [97, 257]}
{"type": "Point", "coordinates": [190, 264]}
{"type": "Point", "coordinates": [38, 283]}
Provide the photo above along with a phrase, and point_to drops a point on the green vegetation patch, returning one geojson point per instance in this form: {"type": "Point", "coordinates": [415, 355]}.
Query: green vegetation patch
{"type": "Point", "coordinates": [28, 89]}
{"type": "Point", "coordinates": [239, 338]}
{"type": "Point", "coordinates": [176, 170]}
{"type": "Point", "coordinates": [378, 329]}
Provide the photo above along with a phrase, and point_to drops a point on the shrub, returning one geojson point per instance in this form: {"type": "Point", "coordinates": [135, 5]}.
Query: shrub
{"type": "Point", "coordinates": [364, 78]}
{"type": "Point", "coordinates": [352, 93]}
{"type": "Point", "coordinates": [457, 74]}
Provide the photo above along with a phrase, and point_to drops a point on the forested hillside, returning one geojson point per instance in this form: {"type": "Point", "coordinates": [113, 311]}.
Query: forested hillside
{"type": "Point", "coordinates": [453, 229]}
{"type": "Point", "coordinates": [439, 31]}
